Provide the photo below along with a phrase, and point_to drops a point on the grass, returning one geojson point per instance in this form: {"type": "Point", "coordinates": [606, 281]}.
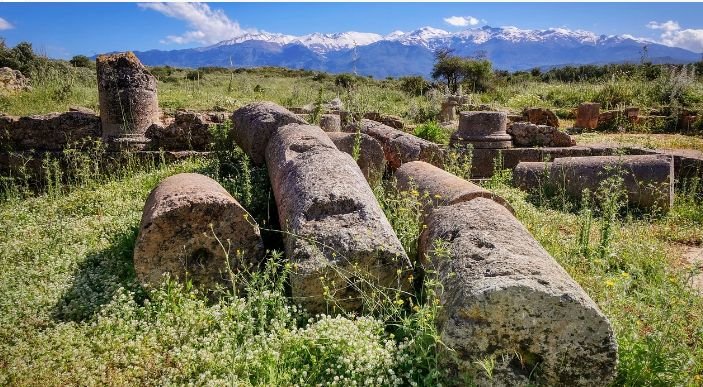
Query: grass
{"type": "Point", "coordinates": [646, 140]}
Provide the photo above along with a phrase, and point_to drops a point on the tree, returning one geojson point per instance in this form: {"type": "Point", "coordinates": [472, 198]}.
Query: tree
{"type": "Point", "coordinates": [476, 74]}
{"type": "Point", "coordinates": [81, 61]}
{"type": "Point", "coordinates": [21, 57]}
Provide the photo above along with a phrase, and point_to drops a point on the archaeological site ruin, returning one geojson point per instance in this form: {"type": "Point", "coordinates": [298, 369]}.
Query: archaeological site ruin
{"type": "Point", "coordinates": [500, 292]}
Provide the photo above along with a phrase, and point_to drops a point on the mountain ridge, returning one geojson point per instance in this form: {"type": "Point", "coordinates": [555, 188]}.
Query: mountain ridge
{"type": "Point", "coordinates": [412, 53]}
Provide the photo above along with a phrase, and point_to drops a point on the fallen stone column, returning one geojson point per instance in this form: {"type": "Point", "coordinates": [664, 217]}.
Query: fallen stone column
{"type": "Point", "coordinates": [531, 174]}
{"type": "Point", "coordinates": [337, 236]}
{"type": "Point", "coordinates": [371, 158]}
{"type": "Point", "coordinates": [504, 297]}
{"type": "Point", "coordinates": [127, 95]}
{"type": "Point", "coordinates": [648, 179]}
{"type": "Point", "coordinates": [398, 146]}
{"type": "Point", "coordinates": [181, 218]}
{"type": "Point", "coordinates": [331, 122]}
{"type": "Point", "coordinates": [254, 124]}
{"type": "Point", "coordinates": [442, 187]}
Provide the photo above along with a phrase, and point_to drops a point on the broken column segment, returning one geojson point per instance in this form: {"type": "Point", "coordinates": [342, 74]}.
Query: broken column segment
{"type": "Point", "coordinates": [336, 234]}
{"type": "Point", "coordinates": [441, 187]}
{"type": "Point", "coordinates": [482, 130]}
{"type": "Point", "coordinates": [331, 122]}
{"type": "Point", "coordinates": [371, 159]}
{"type": "Point", "coordinates": [183, 219]}
{"type": "Point", "coordinates": [398, 146]}
{"type": "Point", "coordinates": [505, 298]}
{"type": "Point", "coordinates": [127, 96]}
{"type": "Point", "coordinates": [254, 124]}
{"type": "Point", "coordinates": [529, 175]}
{"type": "Point", "coordinates": [587, 115]}
{"type": "Point", "coordinates": [647, 179]}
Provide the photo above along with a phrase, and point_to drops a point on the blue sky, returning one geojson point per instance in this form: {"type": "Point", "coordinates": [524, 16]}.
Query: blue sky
{"type": "Point", "coordinates": [66, 29]}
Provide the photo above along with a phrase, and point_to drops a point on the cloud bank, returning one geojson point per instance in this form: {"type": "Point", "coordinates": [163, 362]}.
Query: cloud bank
{"type": "Point", "coordinates": [673, 35]}
{"type": "Point", "coordinates": [205, 25]}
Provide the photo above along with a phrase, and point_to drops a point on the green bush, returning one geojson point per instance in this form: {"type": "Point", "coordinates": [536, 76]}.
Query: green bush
{"type": "Point", "coordinates": [414, 85]}
{"type": "Point", "coordinates": [432, 131]}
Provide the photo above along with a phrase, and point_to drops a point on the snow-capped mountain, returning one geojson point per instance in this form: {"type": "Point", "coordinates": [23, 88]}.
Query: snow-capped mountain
{"type": "Point", "coordinates": [412, 53]}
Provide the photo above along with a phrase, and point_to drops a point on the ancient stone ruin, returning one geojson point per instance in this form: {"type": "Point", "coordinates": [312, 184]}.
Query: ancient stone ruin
{"type": "Point", "coordinates": [648, 180]}
{"type": "Point", "coordinates": [12, 81]}
{"type": "Point", "coordinates": [483, 130]}
{"type": "Point", "coordinates": [335, 232]}
{"type": "Point", "coordinates": [371, 158]}
{"type": "Point", "coordinates": [441, 188]}
{"type": "Point", "coordinates": [193, 229]}
{"type": "Point", "coordinates": [505, 296]}
{"type": "Point", "coordinates": [526, 134]}
{"type": "Point", "coordinates": [398, 146]}
{"type": "Point", "coordinates": [127, 96]}
{"type": "Point", "coordinates": [331, 122]}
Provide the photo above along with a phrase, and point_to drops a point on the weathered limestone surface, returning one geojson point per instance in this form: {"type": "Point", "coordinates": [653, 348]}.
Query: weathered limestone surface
{"type": "Point", "coordinates": [531, 174]}
{"type": "Point", "coordinates": [648, 179]}
{"type": "Point", "coordinates": [398, 146]}
{"type": "Point", "coordinates": [331, 123]}
{"type": "Point", "coordinates": [189, 131]}
{"type": "Point", "coordinates": [127, 95]}
{"type": "Point", "coordinates": [337, 234]}
{"type": "Point", "coordinates": [540, 116]}
{"type": "Point", "coordinates": [181, 218]}
{"type": "Point", "coordinates": [394, 122]}
{"type": "Point", "coordinates": [504, 294]}
{"type": "Point", "coordinates": [371, 160]}
{"type": "Point", "coordinates": [12, 81]}
{"type": "Point", "coordinates": [587, 115]}
{"type": "Point", "coordinates": [448, 111]}
{"type": "Point", "coordinates": [442, 187]}
{"type": "Point", "coordinates": [484, 159]}
{"type": "Point", "coordinates": [526, 134]}
{"type": "Point", "coordinates": [254, 124]}
{"type": "Point", "coordinates": [53, 131]}
{"type": "Point", "coordinates": [482, 129]}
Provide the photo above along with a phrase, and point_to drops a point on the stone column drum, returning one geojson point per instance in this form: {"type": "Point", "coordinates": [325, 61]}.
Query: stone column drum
{"type": "Point", "coordinates": [254, 124]}
{"type": "Point", "coordinates": [127, 95]}
{"type": "Point", "coordinates": [504, 297]}
{"type": "Point", "coordinates": [331, 122]}
{"type": "Point", "coordinates": [371, 160]}
{"type": "Point", "coordinates": [529, 175]}
{"type": "Point", "coordinates": [483, 130]}
{"type": "Point", "coordinates": [399, 147]}
{"type": "Point", "coordinates": [441, 187]}
{"type": "Point", "coordinates": [648, 179]}
{"type": "Point", "coordinates": [336, 235]}
{"type": "Point", "coordinates": [181, 218]}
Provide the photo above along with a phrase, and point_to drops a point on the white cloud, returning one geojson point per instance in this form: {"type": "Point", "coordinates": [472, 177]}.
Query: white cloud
{"type": "Point", "coordinates": [666, 26]}
{"type": "Point", "coordinates": [462, 21]}
{"type": "Point", "coordinates": [205, 25]}
{"type": "Point", "coordinates": [673, 35]}
{"type": "Point", "coordinates": [5, 25]}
